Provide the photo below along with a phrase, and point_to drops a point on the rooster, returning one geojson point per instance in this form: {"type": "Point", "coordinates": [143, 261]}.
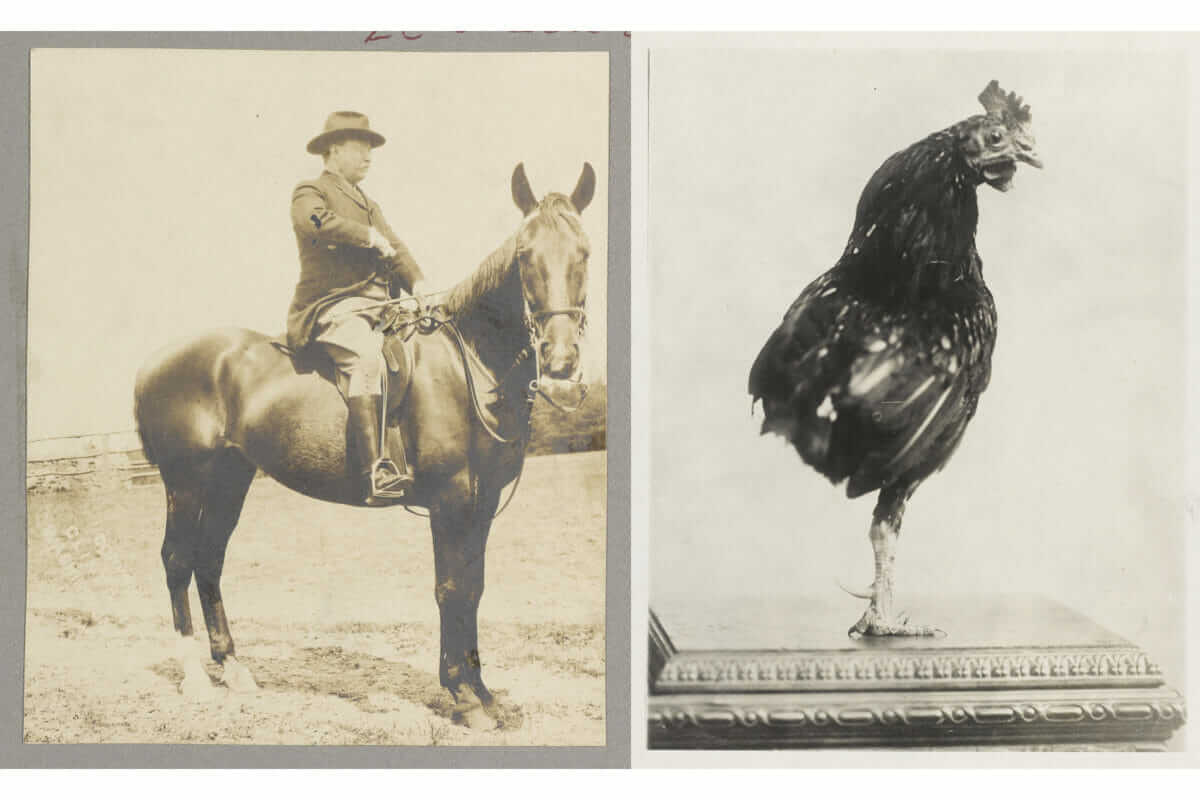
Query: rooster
{"type": "Point", "coordinates": [878, 366]}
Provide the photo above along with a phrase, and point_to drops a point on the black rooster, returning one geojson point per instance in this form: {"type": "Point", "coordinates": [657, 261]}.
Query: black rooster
{"type": "Point", "coordinates": [878, 366]}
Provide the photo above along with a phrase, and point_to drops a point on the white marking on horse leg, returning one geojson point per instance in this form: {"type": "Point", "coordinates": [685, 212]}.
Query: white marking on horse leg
{"type": "Point", "coordinates": [196, 683]}
{"type": "Point", "coordinates": [470, 712]}
{"type": "Point", "coordinates": [237, 676]}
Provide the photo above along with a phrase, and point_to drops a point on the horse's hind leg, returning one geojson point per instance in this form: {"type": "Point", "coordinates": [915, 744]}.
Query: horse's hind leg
{"type": "Point", "coordinates": [184, 511]}
{"type": "Point", "coordinates": [228, 482]}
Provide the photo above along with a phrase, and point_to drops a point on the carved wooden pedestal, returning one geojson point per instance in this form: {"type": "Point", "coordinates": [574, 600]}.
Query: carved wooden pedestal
{"type": "Point", "coordinates": [1012, 672]}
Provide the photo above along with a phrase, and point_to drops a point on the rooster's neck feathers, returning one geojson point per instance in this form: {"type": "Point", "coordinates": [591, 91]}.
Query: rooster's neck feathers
{"type": "Point", "coordinates": [914, 231]}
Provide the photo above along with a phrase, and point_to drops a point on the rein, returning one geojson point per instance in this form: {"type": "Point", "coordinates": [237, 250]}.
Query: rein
{"type": "Point", "coordinates": [428, 324]}
{"type": "Point", "coordinates": [430, 321]}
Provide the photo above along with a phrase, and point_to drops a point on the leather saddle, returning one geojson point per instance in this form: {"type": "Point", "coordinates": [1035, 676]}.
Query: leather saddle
{"type": "Point", "coordinates": [397, 354]}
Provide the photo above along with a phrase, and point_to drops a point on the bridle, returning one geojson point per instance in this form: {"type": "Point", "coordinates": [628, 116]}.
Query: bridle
{"type": "Point", "coordinates": [535, 326]}
{"type": "Point", "coordinates": [537, 320]}
{"type": "Point", "coordinates": [535, 329]}
{"type": "Point", "coordinates": [534, 322]}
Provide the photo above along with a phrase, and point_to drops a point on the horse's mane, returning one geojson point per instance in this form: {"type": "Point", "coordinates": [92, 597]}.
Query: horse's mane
{"type": "Point", "coordinates": [487, 278]}
{"type": "Point", "coordinates": [555, 211]}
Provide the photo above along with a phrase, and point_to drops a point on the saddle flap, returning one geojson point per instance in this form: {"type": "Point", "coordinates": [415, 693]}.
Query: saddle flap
{"type": "Point", "coordinates": [395, 353]}
{"type": "Point", "coordinates": [398, 354]}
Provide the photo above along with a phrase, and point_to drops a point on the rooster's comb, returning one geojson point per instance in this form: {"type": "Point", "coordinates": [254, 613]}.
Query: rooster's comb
{"type": "Point", "coordinates": [993, 98]}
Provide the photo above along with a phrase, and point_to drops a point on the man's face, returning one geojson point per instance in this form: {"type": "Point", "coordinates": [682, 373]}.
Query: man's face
{"type": "Point", "coordinates": [351, 159]}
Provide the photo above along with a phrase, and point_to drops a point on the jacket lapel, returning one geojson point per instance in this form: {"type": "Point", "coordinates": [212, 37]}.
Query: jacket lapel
{"type": "Point", "coordinates": [358, 197]}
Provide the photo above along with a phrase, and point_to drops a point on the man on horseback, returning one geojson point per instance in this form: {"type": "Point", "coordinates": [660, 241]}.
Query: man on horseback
{"type": "Point", "coordinates": [350, 262]}
{"type": "Point", "coordinates": [214, 410]}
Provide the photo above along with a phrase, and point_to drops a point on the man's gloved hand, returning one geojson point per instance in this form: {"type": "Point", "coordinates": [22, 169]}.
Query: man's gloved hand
{"type": "Point", "coordinates": [424, 311]}
{"type": "Point", "coordinates": [418, 293]}
{"type": "Point", "coordinates": [379, 242]}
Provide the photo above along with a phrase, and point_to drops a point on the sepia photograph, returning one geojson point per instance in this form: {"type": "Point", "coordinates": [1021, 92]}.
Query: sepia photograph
{"type": "Point", "coordinates": [315, 340]}
{"type": "Point", "coordinates": [917, 374]}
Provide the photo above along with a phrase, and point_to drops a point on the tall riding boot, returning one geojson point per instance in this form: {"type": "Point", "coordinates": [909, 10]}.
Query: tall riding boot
{"type": "Point", "coordinates": [382, 481]}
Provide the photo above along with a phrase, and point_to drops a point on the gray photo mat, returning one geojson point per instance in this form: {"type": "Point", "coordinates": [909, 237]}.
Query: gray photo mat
{"type": "Point", "coordinates": [14, 167]}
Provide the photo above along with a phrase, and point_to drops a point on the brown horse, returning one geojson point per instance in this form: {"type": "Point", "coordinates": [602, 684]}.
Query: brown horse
{"type": "Point", "coordinates": [214, 409]}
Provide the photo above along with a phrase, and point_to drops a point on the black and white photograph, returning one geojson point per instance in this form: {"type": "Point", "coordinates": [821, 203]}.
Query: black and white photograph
{"type": "Point", "coordinates": [916, 331]}
{"type": "Point", "coordinates": [314, 340]}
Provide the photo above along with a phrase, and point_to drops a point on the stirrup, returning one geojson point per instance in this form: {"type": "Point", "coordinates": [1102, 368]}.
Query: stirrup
{"type": "Point", "coordinates": [394, 488]}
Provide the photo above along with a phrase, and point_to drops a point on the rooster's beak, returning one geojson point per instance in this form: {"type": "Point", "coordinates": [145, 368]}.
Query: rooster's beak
{"type": "Point", "coordinates": [1024, 151]}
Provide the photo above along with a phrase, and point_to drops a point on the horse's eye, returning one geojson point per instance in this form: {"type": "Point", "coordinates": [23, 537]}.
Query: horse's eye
{"type": "Point", "coordinates": [995, 136]}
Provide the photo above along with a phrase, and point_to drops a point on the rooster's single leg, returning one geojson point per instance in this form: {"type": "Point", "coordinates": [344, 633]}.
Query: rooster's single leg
{"type": "Point", "coordinates": [880, 618]}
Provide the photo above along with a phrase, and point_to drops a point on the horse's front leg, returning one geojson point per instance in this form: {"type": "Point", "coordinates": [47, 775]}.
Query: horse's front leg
{"type": "Point", "coordinates": [460, 535]}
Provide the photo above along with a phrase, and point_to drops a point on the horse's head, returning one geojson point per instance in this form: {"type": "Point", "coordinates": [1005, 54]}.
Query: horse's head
{"type": "Point", "coordinates": [552, 252]}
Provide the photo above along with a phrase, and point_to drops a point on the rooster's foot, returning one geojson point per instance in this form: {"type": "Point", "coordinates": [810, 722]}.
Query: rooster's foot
{"type": "Point", "coordinates": [873, 623]}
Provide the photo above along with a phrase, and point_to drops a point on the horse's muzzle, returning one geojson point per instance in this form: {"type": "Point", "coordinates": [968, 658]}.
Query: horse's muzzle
{"type": "Point", "coordinates": [566, 394]}
{"type": "Point", "coordinates": [560, 361]}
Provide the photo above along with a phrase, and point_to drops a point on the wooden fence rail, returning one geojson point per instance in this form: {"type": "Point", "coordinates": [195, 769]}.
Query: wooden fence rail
{"type": "Point", "coordinates": [95, 459]}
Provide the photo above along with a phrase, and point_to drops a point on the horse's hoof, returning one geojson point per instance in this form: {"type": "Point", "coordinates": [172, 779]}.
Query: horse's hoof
{"type": "Point", "coordinates": [476, 718]}
{"type": "Point", "coordinates": [238, 678]}
{"type": "Point", "coordinates": [470, 712]}
{"type": "Point", "coordinates": [197, 686]}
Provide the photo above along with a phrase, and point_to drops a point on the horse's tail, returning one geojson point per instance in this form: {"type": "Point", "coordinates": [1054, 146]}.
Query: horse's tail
{"type": "Point", "coordinates": [144, 391]}
{"type": "Point", "coordinates": [138, 408]}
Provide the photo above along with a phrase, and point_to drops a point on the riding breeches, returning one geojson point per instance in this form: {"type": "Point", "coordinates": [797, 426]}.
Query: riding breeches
{"type": "Point", "coordinates": [348, 334]}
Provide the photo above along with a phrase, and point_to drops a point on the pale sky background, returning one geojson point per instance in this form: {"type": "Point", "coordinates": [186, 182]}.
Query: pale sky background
{"type": "Point", "coordinates": [161, 182]}
{"type": "Point", "coordinates": [1069, 482]}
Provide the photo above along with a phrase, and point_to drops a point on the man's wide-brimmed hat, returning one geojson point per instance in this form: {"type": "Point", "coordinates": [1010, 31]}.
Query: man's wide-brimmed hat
{"type": "Point", "coordinates": [344, 125]}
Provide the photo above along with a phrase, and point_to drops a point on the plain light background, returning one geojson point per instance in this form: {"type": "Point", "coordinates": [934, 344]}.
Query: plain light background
{"type": "Point", "coordinates": [161, 182]}
{"type": "Point", "coordinates": [1070, 480]}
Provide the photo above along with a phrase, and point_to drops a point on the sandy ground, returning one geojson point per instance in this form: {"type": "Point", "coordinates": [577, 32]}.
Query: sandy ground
{"type": "Point", "coordinates": [332, 610]}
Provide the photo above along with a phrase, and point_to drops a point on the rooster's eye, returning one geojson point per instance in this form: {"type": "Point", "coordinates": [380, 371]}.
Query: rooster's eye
{"type": "Point", "coordinates": [995, 136]}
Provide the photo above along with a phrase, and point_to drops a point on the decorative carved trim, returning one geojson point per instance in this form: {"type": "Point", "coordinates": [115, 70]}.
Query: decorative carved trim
{"type": "Point", "coordinates": [921, 714]}
{"type": "Point", "coordinates": [699, 672]}
{"type": "Point", "coordinates": [1067, 718]}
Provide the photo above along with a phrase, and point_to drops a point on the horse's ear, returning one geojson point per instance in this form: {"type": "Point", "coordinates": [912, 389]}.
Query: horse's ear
{"type": "Point", "coordinates": [522, 194]}
{"type": "Point", "coordinates": [584, 189]}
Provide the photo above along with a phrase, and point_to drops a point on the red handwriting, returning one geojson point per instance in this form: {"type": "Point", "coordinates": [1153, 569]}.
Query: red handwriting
{"type": "Point", "coordinates": [376, 36]}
